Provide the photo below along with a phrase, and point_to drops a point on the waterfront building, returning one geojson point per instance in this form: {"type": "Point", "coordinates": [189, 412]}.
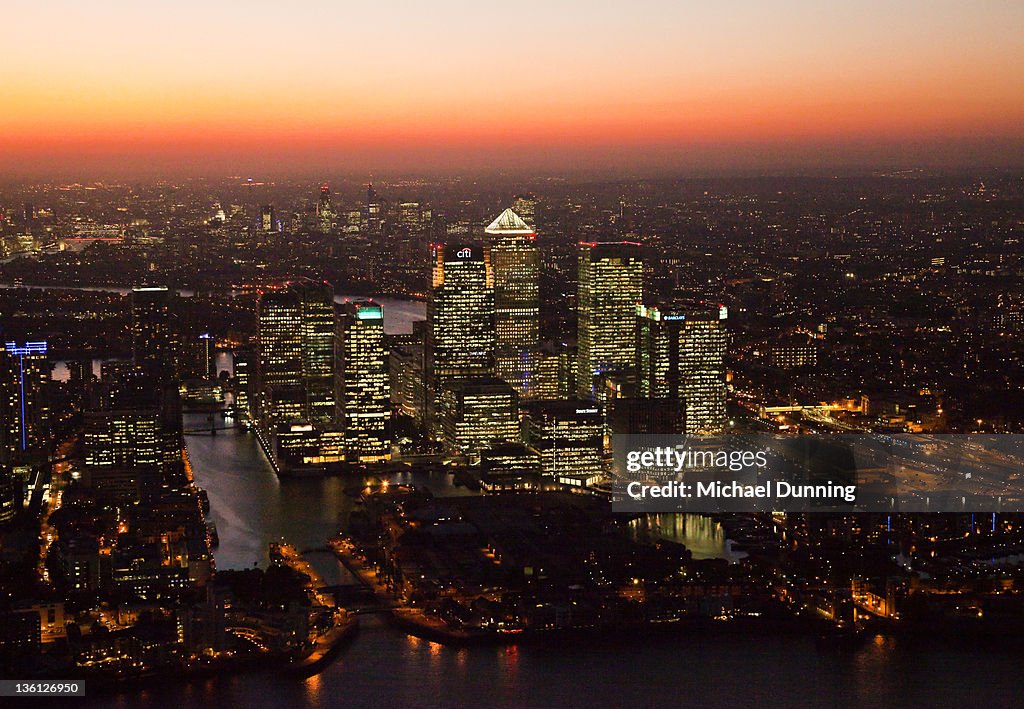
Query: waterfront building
{"type": "Point", "coordinates": [568, 435]}
{"type": "Point", "coordinates": [243, 366]}
{"type": "Point", "coordinates": [407, 372]}
{"type": "Point", "coordinates": [362, 383]}
{"type": "Point", "coordinates": [610, 286]}
{"type": "Point", "coordinates": [478, 413]}
{"type": "Point", "coordinates": [295, 373]}
{"type": "Point", "coordinates": [509, 467]}
{"type": "Point", "coordinates": [295, 348]}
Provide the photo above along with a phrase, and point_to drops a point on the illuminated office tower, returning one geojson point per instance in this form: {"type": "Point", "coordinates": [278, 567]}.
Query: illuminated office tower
{"type": "Point", "coordinates": [155, 346]}
{"type": "Point", "coordinates": [516, 264]}
{"type": "Point", "coordinates": [410, 215]}
{"type": "Point", "coordinates": [132, 439]}
{"type": "Point", "coordinates": [324, 210]}
{"type": "Point", "coordinates": [295, 356]}
{"type": "Point", "coordinates": [268, 220]}
{"type": "Point", "coordinates": [363, 391]}
{"type": "Point", "coordinates": [610, 286]}
{"type": "Point", "coordinates": [242, 385]}
{"type": "Point", "coordinates": [280, 395]}
{"type": "Point", "coordinates": [318, 332]}
{"type": "Point", "coordinates": [680, 356]}
{"type": "Point", "coordinates": [407, 367]}
{"type": "Point", "coordinates": [294, 395]}
{"type": "Point", "coordinates": [555, 373]}
{"type": "Point", "coordinates": [509, 467]}
{"type": "Point", "coordinates": [24, 411]}
{"type": "Point", "coordinates": [568, 435]}
{"type": "Point", "coordinates": [478, 413]}
{"type": "Point", "coordinates": [526, 207]}
{"type": "Point", "coordinates": [123, 456]}
{"type": "Point", "coordinates": [460, 320]}
{"type": "Point", "coordinates": [373, 212]}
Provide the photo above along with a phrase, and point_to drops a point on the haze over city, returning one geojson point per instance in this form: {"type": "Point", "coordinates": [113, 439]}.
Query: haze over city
{"type": "Point", "coordinates": [125, 89]}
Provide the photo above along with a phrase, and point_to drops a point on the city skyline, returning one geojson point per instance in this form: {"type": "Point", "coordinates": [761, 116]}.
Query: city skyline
{"type": "Point", "coordinates": [204, 409]}
{"type": "Point", "coordinates": [663, 86]}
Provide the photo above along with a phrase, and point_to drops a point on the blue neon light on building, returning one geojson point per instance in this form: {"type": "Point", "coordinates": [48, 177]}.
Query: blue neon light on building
{"type": "Point", "coordinates": [29, 348]}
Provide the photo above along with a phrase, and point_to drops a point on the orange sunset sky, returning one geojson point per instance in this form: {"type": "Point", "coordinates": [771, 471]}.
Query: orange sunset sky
{"type": "Point", "coordinates": [186, 86]}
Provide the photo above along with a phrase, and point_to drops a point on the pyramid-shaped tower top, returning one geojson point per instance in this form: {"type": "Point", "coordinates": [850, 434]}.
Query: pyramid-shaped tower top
{"type": "Point", "coordinates": [508, 222]}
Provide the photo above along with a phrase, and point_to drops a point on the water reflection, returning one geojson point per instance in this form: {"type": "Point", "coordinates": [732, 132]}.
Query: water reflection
{"type": "Point", "coordinates": [701, 535]}
{"type": "Point", "coordinates": [252, 507]}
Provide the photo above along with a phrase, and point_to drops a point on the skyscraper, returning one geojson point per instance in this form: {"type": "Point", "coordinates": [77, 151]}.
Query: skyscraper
{"type": "Point", "coordinates": [155, 345]}
{"type": "Point", "coordinates": [373, 213]}
{"type": "Point", "coordinates": [324, 210]}
{"type": "Point", "coordinates": [407, 371]}
{"type": "Point", "coordinates": [460, 319]}
{"type": "Point", "coordinates": [410, 215]}
{"type": "Point", "coordinates": [680, 354]}
{"type": "Point", "coordinates": [294, 395]}
{"type": "Point", "coordinates": [242, 385]}
{"type": "Point", "coordinates": [268, 220]}
{"type": "Point", "coordinates": [516, 263]}
{"type": "Point", "coordinates": [295, 366]}
{"type": "Point", "coordinates": [122, 451]}
{"type": "Point", "coordinates": [610, 286]}
{"type": "Point", "coordinates": [362, 389]}
{"type": "Point", "coordinates": [24, 411]}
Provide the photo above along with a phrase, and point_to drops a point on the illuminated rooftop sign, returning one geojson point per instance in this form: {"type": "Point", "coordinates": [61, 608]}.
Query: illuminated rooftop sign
{"type": "Point", "coordinates": [369, 312]}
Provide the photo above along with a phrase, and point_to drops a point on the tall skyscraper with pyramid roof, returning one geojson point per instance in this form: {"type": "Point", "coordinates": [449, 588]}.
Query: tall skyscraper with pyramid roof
{"type": "Point", "coordinates": [515, 260]}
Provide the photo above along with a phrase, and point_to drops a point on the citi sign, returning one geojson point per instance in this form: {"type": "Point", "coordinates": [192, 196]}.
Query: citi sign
{"type": "Point", "coordinates": [464, 253]}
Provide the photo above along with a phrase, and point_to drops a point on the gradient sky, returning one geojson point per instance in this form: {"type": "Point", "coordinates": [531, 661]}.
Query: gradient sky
{"type": "Point", "coordinates": [429, 85]}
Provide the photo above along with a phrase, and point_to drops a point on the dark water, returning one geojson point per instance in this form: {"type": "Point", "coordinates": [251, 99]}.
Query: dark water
{"type": "Point", "coordinates": [702, 536]}
{"type": "Point", "coordinates": [252, 508]}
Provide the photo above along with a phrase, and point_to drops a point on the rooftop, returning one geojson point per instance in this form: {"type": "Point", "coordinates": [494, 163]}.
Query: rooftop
{"type": "Point", "coordinates": [508, 222]}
